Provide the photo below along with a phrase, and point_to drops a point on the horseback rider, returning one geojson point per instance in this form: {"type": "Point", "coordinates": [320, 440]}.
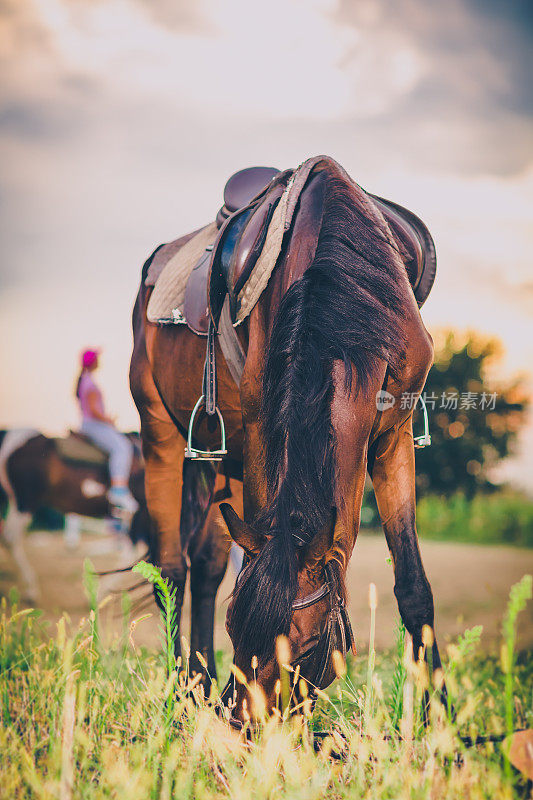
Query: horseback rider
{"type": "Point", "coordinates": [100, 428]}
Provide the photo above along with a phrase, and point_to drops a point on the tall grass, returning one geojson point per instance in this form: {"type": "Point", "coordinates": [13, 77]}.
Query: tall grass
{"type": "Point", "coordinates": [75, 723]}
{"type": "Point", "coordinates": [520, 594]}
{"type": "Point", "coordinates": [398, 678]}
{"type": "Point", "coordinates": [167, 595]}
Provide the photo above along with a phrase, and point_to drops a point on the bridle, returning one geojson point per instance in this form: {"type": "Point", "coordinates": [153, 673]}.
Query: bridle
{"type": "Point", "coordinates": [337, 633]}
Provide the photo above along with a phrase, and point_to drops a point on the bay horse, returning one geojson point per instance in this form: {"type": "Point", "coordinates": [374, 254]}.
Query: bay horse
{"type": "Point", "coordinates": [336, 326]}
{"type": "Point", "coordinates": [37, 471]}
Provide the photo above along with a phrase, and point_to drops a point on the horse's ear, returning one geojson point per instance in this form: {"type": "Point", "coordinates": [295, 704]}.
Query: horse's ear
{"type": "Point", "coordinates": [242, 534]}
{"type": "Point", "coordinates": [322, 541]}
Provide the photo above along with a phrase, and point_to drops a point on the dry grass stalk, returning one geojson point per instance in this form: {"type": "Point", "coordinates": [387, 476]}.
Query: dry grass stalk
{"type": "Point", "coordinates": [66, 783]}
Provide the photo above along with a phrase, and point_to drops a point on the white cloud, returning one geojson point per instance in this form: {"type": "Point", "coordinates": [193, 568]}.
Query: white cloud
{"type": "Point", "coordinates": [270, 61]}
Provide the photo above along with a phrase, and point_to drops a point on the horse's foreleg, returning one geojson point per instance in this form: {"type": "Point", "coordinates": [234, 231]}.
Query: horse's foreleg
{"type": "Point", "coordinates": [164, 454]}
{"type": "Point", "coordinates": [392, 468]}
{"type": "Point", "coordinates": [208, 567]}
{"type": "Point", "coordinates": [13, 533]}
{"type": "Point", "coordinates": [163, 449]}
{"type": "Point", "coordinates": [209, 559]}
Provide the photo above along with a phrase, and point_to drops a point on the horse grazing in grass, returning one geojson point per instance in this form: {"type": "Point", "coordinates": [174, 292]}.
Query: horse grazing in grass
{"type": "Point", "coordinates": [336, 326]}
{"type": "Point", "coordinates": [69, 475]}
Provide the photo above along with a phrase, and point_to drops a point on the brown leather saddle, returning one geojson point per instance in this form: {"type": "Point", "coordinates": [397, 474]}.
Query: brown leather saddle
{"type": "Point", "coordinates": [415, 243]}
{"type": "Point", "coordinates": [250, 198]}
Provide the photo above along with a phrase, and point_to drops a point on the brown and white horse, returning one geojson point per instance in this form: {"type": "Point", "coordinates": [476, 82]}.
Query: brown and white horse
{"type": "Point", "coordinates": [34, 474]}
{"type": "Point", "coordinates": [337, 323]}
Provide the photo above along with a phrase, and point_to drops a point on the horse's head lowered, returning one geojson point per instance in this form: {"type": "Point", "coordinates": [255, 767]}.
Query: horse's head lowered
{"type": "Point", "coordinates": [316, 621]}
{"type": "Point", "coordinates": [331, 324]}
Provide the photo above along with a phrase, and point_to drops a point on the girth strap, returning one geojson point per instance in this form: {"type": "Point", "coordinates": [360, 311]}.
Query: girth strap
{"type": "Point", "coordinates": [230, 345]}
{"type": "Point", "coordinates": [233, 353]}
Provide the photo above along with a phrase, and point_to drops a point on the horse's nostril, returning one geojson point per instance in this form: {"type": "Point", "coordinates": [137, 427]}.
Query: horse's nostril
{"type": "Point", "coordinates": [245, 729]}
{"type": "Point", "coordinates": [235, 723]}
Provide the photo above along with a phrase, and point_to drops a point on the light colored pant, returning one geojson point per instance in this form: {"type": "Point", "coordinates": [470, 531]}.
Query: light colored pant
{"type": "Point", "coordinates": [118, 446]}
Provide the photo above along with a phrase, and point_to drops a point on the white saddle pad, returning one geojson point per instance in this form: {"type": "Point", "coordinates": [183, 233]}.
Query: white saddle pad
{"type": "Point", "coordinates": [166, 302]}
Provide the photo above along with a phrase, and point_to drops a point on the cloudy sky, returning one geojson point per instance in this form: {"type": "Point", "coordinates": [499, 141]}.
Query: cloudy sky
{"type": "Point", "coordinates": [121, 119]}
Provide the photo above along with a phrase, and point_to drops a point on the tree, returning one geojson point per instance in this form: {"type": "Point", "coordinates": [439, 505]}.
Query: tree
{"type": "Point", "coordinates": [474, 420]}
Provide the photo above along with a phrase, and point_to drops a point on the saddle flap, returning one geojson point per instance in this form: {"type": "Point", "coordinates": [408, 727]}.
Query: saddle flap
{"type": "Point", "coordinates": [217, 285]}
{"type": "Point", "coordinates": [195, 302]}
{"type": "Point", "coordinates": [169, 292]}
{"type": "Point", "coordinates": [416, 245]}
{"type": "Point", "coordinates": [251, 242]}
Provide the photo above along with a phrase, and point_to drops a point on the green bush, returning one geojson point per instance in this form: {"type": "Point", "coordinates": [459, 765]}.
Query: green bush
{"type": "Point", "coordinates": [500, 518]}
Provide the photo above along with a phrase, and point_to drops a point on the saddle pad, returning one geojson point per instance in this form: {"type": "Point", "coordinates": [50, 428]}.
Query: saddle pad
{"type": "Point", "coordinates": [79, 451]}
{"type": "Point", "coordinates": [162, 256]}
{"type": "Point", "coordinates": [166, 301]}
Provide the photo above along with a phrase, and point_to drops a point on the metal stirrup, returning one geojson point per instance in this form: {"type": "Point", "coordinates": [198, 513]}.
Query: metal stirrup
{"type": "Point", "coordinates": [205, 455]}
{"type": "Point", "coordinates": [425, 439]}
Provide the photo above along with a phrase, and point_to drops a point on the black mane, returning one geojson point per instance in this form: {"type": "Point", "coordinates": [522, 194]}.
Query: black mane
{"type": "Point", "coordinates": [347, 307]}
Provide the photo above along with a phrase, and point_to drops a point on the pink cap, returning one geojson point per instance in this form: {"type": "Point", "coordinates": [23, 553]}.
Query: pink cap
{"type": "Point", "coordinates": [88, 357]}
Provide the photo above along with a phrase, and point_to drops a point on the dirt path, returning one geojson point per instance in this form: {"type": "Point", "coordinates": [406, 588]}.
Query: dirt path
{"type": "Point", "coordinates": [470, 585]}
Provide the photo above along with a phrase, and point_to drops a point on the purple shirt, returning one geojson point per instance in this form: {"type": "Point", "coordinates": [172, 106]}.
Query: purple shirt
{"type": "Point", "coordinates": [87, 385]}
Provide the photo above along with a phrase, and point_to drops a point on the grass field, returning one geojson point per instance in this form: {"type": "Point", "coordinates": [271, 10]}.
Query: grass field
{"type": "Point", "coordinates": [504, 517]}
{"type": "Point", "coordinates": [80, 719]}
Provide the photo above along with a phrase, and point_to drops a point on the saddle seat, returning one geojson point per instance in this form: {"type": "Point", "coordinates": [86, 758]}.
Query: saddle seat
{"type": "Point", "coordinates": [242, 187]}
{"type": "Point", "coordinates": [78, 449]}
